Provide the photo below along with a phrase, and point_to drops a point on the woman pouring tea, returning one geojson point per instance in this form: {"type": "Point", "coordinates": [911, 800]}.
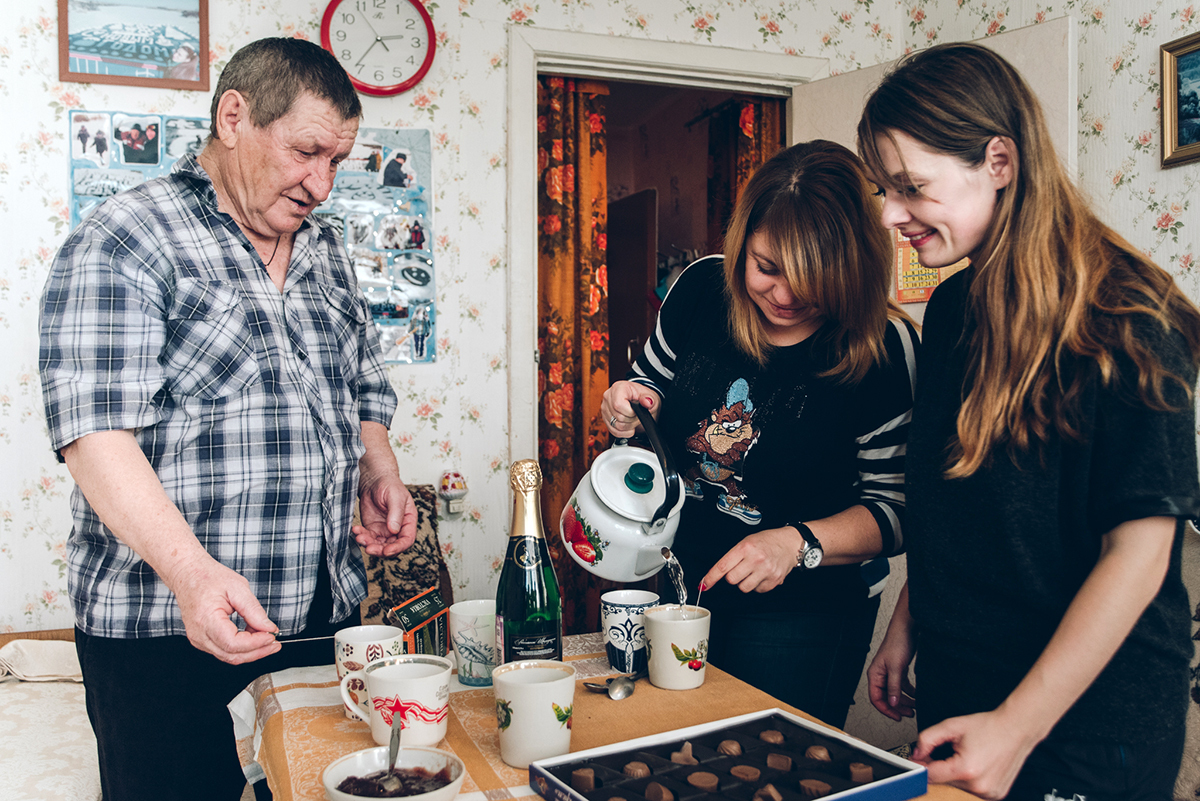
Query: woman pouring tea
{"type": "Point", "coordinates": [1051, 459]}
{"type": "Point", "coordinates": [780, 376]}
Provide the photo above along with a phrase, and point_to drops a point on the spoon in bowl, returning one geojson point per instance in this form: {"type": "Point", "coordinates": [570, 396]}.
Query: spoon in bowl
{"type": "Point", "coordinates": [390, 781]}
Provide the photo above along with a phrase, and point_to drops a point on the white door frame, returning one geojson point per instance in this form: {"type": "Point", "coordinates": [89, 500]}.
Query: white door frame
{"type": "Point", "coordinates": [539, 50]}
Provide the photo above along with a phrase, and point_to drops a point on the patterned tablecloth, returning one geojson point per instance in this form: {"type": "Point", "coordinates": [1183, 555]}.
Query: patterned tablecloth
{"type": "Point", "coordinates": [290, 725]}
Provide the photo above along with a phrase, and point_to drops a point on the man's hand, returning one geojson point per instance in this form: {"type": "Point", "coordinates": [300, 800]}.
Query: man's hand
{"type": "Point", "coordinates": [208, 593]}
{"type": "Point", "coordinates": [125, 493]}
{"type": "Point", "coordinates": [389, 517]}
{"type": "Point", "coordinates": [386, 509]}
{"type": "Point", "coordinates": [989, 751]}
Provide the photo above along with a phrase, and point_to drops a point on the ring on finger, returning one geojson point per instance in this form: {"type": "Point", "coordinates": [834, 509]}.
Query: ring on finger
{"type": "Point", "coordinates": [613, 420]}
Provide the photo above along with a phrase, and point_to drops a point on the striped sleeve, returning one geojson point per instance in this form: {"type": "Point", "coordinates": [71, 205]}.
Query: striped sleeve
{"type": "Point", "coordinates": [881, 450]}
{"type": "Point", "coordinates": [697, 287]}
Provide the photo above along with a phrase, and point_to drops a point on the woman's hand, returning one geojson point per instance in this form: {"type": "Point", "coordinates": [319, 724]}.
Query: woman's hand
{"type": "Point", "coordinates": [759, 563]}
{"type": "Point", "coordinates": [989, 750]}
{"type": "Point", "coordinates": [888, 686]}
{"type": "Point", "coordinates": [616, 407]}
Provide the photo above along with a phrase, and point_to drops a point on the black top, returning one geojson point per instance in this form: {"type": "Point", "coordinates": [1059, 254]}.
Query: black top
{"type": "Point", "coordinates": [772, 446]}
{"type": "Point", "coordinates": [995, 559]}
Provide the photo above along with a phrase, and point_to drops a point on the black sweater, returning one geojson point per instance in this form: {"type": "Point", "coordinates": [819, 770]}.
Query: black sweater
{"type": "Point", "coordinates": [995, 559]}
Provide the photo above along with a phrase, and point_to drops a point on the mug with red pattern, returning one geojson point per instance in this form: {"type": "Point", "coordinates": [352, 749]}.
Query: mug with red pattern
{"type": "Point", "coordinates": [358, 646]}
{"type": "Point", "coordinates": [414, 687]}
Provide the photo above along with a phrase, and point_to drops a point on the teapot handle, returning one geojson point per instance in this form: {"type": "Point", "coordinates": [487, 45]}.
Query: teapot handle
{"type": "Point", "coordinates": [667, 464]}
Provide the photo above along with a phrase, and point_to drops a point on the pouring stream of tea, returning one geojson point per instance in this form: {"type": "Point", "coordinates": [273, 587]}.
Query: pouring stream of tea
{"type": "Point", "coordinates": [676, 571]}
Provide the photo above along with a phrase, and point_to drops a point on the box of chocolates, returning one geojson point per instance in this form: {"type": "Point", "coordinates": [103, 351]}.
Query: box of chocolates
{"type": "Point", "coordinates": [765, 756]}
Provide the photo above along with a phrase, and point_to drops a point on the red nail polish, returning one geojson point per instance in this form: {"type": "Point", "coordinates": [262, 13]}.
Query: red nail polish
{"type": "Point", "coordinates": [703, 587]}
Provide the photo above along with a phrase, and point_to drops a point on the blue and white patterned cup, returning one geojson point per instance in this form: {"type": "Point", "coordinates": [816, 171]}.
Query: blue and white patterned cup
{"type": "Point", "coordinates": [473, 635]}
{"type": "Point", "coordinates": [622, 620]}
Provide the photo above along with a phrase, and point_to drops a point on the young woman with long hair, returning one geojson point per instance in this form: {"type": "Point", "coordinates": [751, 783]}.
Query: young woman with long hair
{"type": "Point", "coordinates": [1052, 456]}
{"type": "Point", "coordinates": [781, 378]}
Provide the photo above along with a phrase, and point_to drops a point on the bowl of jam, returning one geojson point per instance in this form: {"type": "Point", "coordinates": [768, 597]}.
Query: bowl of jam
{"type": "Point", "coordinates": [425, 774]}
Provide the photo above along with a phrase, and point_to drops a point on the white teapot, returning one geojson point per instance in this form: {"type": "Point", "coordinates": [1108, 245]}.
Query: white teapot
{"type": "Point", "coordinates": [625, 510]}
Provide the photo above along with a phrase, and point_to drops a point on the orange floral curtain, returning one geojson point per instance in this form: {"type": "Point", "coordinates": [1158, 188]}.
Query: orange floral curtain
{"type": "Point", "coordinates": [741, 136]}
{"type": "Point", "coordinates": [572, 313]}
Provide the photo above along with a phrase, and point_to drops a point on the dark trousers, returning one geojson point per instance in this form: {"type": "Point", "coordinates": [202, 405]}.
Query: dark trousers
{"type": "Point", "coordinates": [812, 661]}
{"type": "Point", "coordinates": [1077, 771]}
{"type": "Point", "coordinates": [158, 708]}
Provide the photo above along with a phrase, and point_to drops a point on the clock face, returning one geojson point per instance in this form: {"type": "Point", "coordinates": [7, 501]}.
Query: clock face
{"type": "Point", "coordinates": [812, 557]}
{"type": "Point", "coordinates": [386, 46]}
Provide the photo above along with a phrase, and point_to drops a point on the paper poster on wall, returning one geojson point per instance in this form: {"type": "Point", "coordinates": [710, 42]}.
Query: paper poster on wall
{"type": "Point", "coordinates": [914, 281]}
{"type": "Point", "coordinates": [380, 202]}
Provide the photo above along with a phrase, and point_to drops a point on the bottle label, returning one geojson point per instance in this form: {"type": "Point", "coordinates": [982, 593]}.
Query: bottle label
{"type": "Point", "coordinates": [535, 646]}
{"type": "Point", "coordinates": [525, 553]}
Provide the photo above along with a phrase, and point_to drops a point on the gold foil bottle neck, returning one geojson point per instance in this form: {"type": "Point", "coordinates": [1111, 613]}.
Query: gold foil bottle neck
{"type": "Point", "coordinates": [525, 475]}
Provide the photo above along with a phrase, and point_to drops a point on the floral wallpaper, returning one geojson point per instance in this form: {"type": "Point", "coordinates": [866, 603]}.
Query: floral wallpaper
{"type": "Point", "coordinates": [453, 413]}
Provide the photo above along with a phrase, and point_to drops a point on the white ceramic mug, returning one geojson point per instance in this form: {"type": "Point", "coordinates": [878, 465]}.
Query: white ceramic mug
{"type": "Point", "coordinates": [534, 702]}
{"type": "Point", "coordinates": [623, 622]}
{"type": "Point", "coordinates": [356, 647]}
{"type": "Point", "coordinates": [677, 646]}
{"type": "Point", "coordinates": [414, 686]}
{"type": "Point", "coordinates": [473, 635]}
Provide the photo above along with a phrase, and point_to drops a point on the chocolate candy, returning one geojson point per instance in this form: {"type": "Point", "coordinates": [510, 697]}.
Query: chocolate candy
{"type": "Point", "coordinates": [730, 748]}
{"type": "Point", "coordinates": [684, 756]}
{"type": "Point", "coordinates": [819, 753]}
{"type": "Point", "coordinates": [703, 780]}
{"type": "Point", "coordinates": [771, 736]}
{"type": "Point", "coordinates": [861, 773]}
{"type": "Point", "coordinates": [767, 793]}
{"type": "Point", "coordinates": [814, 788]}
{"type": "Point", "coordinates": [583, 780]}
{"type": "Point", "coordinates": [779, 762]}
{"type": "Point", "coordinates": [747, 773]}
{"type": "Point", "coordinates": [636, 770]}
{"type": "Point", "coordinates": [656, 792]}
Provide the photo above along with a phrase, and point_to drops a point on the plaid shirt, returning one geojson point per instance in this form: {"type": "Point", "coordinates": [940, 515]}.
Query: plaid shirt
{"type": "Point", "coordinates": [158, 317]}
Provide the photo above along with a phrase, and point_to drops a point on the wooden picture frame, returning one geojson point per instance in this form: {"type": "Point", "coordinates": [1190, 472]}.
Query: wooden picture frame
{"type": "Point", "coordinates": [1181, 100]}
{"type": "Point", "coordinates": [95, 45]}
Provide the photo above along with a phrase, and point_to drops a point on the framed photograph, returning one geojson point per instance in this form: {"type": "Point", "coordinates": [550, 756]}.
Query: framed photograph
{"type": "Point", "coordinates": [159, 43]}
{"type": "Point", "coordinates": [1181, 100]}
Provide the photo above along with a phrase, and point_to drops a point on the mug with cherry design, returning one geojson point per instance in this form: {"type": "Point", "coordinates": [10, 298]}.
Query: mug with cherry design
{"type": "Point", "coordinates": [677, 645]}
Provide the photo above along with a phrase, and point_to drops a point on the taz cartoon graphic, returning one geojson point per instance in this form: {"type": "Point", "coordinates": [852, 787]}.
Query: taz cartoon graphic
{"type": "Point", "coordinates": [722, 442]}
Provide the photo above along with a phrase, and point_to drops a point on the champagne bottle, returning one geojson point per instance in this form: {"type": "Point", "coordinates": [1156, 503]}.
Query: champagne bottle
{"type": "Point", "coordinates": [528, 604]}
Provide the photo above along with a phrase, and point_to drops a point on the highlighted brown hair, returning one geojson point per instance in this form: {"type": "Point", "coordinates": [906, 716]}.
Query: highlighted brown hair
{"type": "Point", "coordinates": [1055, 289]}
{"type": "Point", "coordinates": [814, 204]}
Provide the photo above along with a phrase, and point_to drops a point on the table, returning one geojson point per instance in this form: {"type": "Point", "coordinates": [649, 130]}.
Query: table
{"type": "Point", "coordinates": [289, 725]}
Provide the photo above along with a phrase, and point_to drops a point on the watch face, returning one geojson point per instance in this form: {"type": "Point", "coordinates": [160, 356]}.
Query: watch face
{"type": "Point", "coordinates": [386, 46]}
{"type": "Point", "coordinates": [812, 557]}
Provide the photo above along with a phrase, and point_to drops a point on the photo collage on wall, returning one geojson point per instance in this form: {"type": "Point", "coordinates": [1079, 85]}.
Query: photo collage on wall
{"type": "Point", "coordinates": [380, 202]}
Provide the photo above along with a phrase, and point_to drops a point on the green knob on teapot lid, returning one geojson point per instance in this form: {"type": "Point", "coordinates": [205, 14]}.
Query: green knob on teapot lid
{"type": "Point", "coordinates": [640, 478]}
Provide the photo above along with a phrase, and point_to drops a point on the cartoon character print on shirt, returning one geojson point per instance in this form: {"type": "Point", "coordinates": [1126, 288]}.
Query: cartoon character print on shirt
{"type": "Point", "coordinates": [722, 441]}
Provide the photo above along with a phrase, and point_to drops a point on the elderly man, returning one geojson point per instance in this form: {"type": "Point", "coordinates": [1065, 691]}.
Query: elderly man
{"type": "Point", "coordinates": [214, 384]}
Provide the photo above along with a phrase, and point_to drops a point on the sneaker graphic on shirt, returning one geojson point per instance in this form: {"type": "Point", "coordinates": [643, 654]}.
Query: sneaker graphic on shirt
{"type": "Point", "coordinates": [1054, 796]}
{"type": "Point", "coordinates": [692, 489]}
{"type": "Point", "coordinates": [735, 507]}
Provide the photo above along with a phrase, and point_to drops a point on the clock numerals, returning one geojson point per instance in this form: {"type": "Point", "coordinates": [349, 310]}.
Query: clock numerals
{"type": "Point", "coordinates": [386, 45]}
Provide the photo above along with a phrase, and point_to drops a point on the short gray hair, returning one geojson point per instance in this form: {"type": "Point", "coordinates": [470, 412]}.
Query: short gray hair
{"type": "Point", "coordinates": [272, 73]}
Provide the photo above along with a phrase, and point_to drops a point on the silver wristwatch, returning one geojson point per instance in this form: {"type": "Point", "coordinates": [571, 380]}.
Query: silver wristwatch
{"type": "Point", "coordinates": [812, 553]}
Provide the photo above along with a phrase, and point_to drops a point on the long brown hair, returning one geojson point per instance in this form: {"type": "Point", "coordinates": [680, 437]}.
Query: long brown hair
{"type": "Point", "coordinates": [1054, 288]}
{"type": "Point", "coordinates": [814, 204]}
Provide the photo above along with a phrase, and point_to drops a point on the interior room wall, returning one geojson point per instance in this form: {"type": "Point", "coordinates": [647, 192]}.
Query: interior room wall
{"type": "Point", "coordinates": [650, 146]}
{"type": "Point", "coordinates": [453, 413]}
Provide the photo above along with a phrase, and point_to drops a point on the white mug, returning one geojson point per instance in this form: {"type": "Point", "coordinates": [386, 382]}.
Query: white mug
{"type": "Point", "coordinates": [534, 702]}
{"type": "Point", "coordinates": [414, 686]}
{"type": "Point", "coordinates": [355, 647]}
{"type": "Point", "coordinates": [677, 646]}
{"type": "Point", "coordinates": [623, 622]}
{"type": "Point", "coordinates": [473, 635]}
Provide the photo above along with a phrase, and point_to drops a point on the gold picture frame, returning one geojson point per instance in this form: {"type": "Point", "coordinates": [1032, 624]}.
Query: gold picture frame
{"type": "Point", "coordinates": [1181, 100]}
{"type": "Point", "coordinates": [166, 47]}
